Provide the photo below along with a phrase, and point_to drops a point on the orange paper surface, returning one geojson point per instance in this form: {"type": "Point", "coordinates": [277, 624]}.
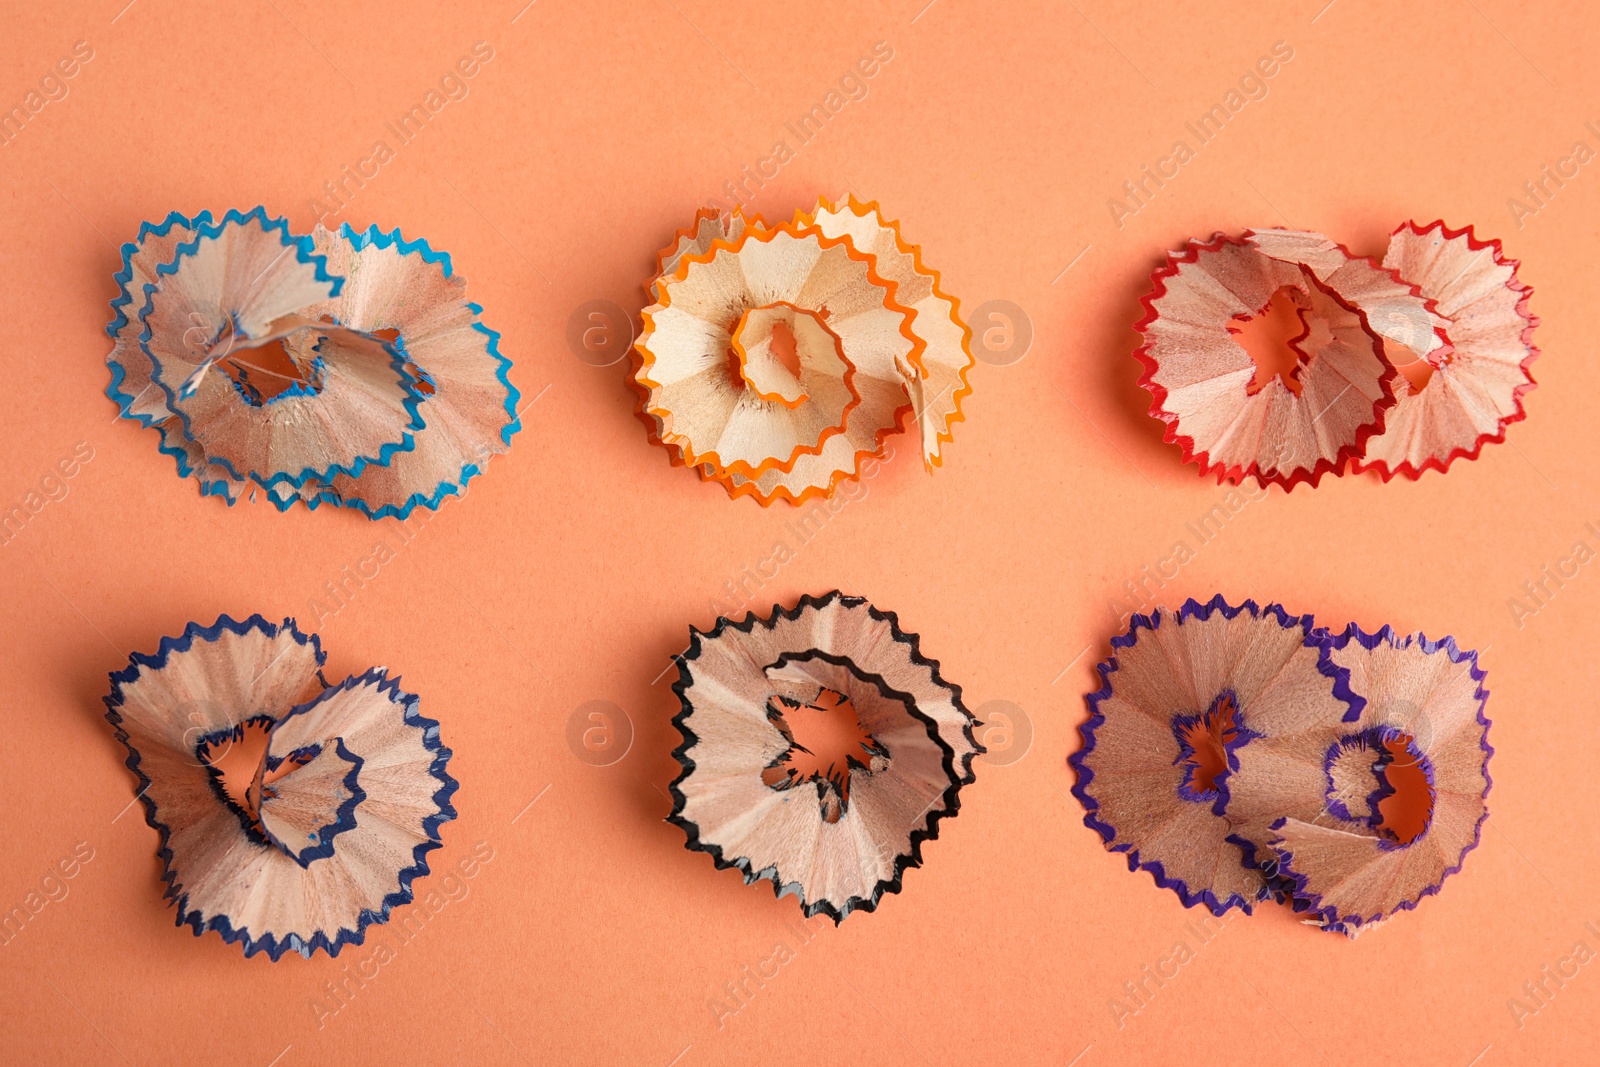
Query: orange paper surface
{"type": "Point", "coordinates": [564, 920]}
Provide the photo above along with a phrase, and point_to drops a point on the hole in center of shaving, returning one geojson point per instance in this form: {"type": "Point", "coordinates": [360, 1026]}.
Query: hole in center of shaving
{"type": "Point", "coordinates": [236, 760]}
{"type": "Point", "coordinates": [288, 366]}
{"type": "Point", "coordinates": [783, 347]}
{"type": "Point", "coordinates": [1272, 338]}
{"type": "Point", "coordinates": [1406, 807]}
{"type": "Point", "coordinates": [1380, 777]}
{"type": "Point", "coordinates": [1416, 370]}
{"type": "Point", "coordinates": [826, 743]}
{"type": "Point", "coordinates": [1204, 741]}
{"type": "Point", "coordinates": [421, 381]}
{"type": "Point", "coordinates": [776, 345]}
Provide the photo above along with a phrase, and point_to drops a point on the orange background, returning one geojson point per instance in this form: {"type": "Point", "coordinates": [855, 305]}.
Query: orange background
{"type": "Point", "coordinates": [574, 567]}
